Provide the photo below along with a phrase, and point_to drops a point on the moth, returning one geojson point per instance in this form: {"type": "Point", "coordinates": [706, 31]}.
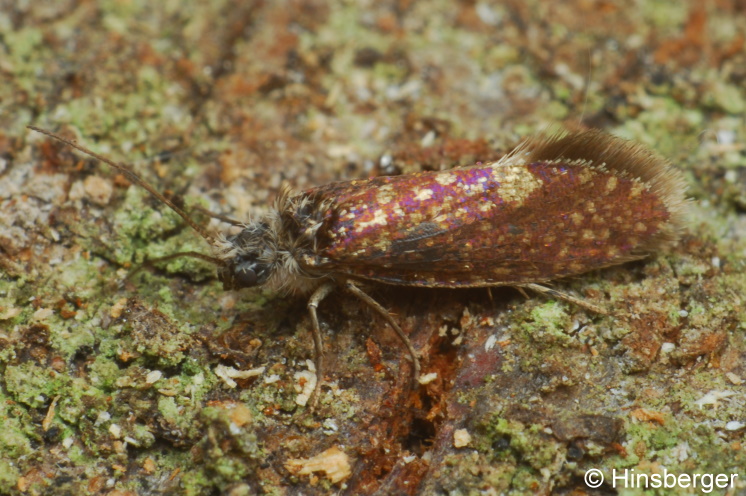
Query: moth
{"type": "Point", "coordinates": [556, 206]}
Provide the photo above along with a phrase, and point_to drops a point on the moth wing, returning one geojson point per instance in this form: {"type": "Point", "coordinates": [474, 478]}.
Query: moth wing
{"type": "Point", "coordinates": [558, 207]}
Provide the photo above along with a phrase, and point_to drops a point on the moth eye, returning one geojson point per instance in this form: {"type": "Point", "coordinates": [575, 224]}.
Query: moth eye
{"type": "Point", "coordinates": [245, 278]}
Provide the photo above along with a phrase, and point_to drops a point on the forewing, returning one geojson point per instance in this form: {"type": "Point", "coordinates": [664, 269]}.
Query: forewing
{"type": "Point", "coordinates": [497, 224]}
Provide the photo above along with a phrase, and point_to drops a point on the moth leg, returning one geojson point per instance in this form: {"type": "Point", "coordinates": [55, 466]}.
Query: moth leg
{"type": "Point", "coordinates": [522, 290]}
{"type": "Point", "coordinates": [313, 303]}
{"type": "Point", "coordinates": [489, 293]}
{"type": "Point", "coordinates": [352, 288]}
{"type": "Point", "coordinates": [553, 293]}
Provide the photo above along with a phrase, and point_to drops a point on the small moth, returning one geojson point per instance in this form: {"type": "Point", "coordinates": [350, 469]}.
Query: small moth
{"type": "Point", "coordinates": [556, 206]}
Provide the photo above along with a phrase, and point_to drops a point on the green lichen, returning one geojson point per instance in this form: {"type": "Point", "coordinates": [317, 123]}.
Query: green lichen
{"type": "Point", "coordinates": [548, 324]}
{"type": "Point", "coordinates": [15, 438]}
{"type": "Point", "coordinates": [527, 443]}
{"type": "Point", "coordinates": [104, 373]}
{"type": "Point", "coordinates": [9, 475]}
{"type": "Point", "coordinates": [33, 385]}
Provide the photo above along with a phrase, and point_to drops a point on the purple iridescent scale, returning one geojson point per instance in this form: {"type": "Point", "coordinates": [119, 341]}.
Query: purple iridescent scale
{"type": "Point", "coordinates": [486, 225]}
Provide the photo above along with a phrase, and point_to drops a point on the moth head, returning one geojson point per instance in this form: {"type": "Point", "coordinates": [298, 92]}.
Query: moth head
{"type": "Point", "coordinates": [251, 259]}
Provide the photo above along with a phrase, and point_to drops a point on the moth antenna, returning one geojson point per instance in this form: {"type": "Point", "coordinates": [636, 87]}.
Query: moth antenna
{"type": "Point", "coordinates": [220, 217]}
{"type": "Point", "coordinates": [134, 178]}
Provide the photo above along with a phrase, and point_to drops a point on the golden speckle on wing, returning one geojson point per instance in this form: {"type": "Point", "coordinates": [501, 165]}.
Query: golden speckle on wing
{"type": "Point", "coordinates": [424, 194]}
{"type": "Point", "coordinates": [611, 184]}
{"type": "Point", "coordinates": [636, 190]}
{"type": "Point", "coordinates": [379, 219]}
{"type": "Point", "coordinates": [444, 179]}
{"type": "Point", "coordinates": [382, 245]}
{"type": "Point", "coordinates": [576, 267]}
{"type": "Point", "coordinates": [586, 175]}
{"type": "Point", "coordinates": [440, 219]}
{"type": "Point", "coordinates": [516, 182]}
{"type": "Point", "coordinates": [386, 194]}
{"type": "Point", "coordinates": [501, 271]}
